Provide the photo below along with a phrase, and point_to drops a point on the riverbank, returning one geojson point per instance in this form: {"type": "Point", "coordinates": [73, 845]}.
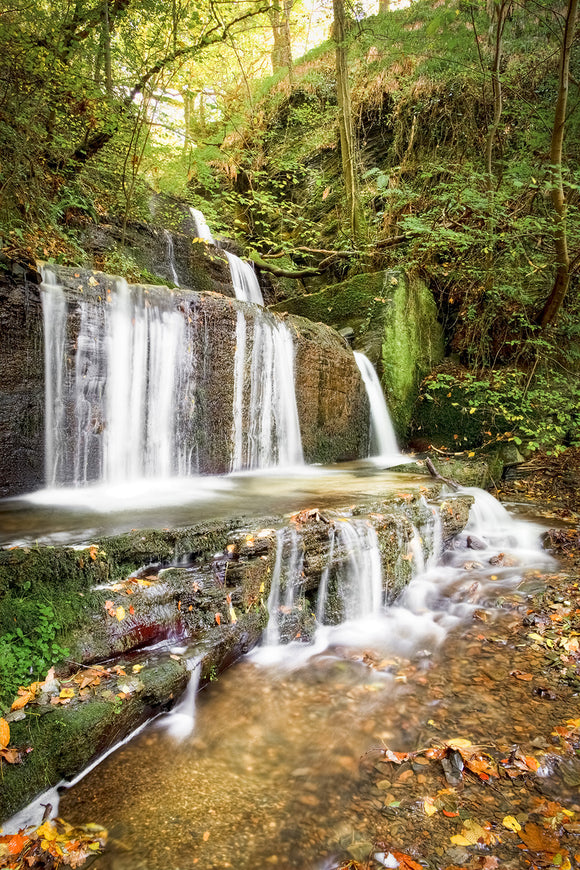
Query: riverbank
{"type": "Point", "coordinates": [488, 774]}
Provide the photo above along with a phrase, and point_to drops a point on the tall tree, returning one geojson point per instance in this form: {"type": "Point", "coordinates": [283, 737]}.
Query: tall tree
{"type": "Point", "coordinates": [279, 15]}
{"type": "Point", "coordinates": [345, 123]}
{"type": "Point", "coordinates": [558, 195]}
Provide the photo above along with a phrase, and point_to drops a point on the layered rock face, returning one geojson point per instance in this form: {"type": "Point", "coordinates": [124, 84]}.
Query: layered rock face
{"type": "Point", "coordinates": [183, 344]}
{"type": "Point", "coordinates": [21, 382]}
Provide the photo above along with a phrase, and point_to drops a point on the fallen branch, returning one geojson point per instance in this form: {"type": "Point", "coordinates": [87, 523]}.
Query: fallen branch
{"type": "Point", "coordinates": [284, 273]}
{"type": "Point", "coordinates": [434, 473]}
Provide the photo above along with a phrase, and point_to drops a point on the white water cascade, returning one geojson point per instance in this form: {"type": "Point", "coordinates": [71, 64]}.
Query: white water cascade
{"type": "Point", "coordinates": [383, 441]}
{"type": "Point", "coordinates": [246, 286]}
{"type": "Point", "coordinates": [119, 396]}
{"type": "Point", "coordinates": [201, 226]}
{"type": "Point", "coordinates": [171, 257]}
{"type": "Point", "coordinates": [266, 429]}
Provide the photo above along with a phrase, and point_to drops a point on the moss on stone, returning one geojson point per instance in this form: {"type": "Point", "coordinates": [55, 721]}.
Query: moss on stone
{"type": "Point", "coordinates": [394, 320]}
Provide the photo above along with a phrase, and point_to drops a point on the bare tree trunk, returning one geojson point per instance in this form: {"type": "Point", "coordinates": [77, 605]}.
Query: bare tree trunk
{"type": "Point", "coordinates": [499, 14]}
{"type": "Point", "coordinates": [347, 140]}
{"type": "Point", "coordinates": [384, 6]}
{"type": "Point", "coordinates": [562, 279]}
{"type": "Point", "coordinates": [107, 49]}
{"type": "Point", "coordinates": [281, 55]}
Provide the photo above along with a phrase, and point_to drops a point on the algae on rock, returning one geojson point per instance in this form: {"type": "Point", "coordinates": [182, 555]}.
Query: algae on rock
{"type": "Point", "coordinates": [394, 321]}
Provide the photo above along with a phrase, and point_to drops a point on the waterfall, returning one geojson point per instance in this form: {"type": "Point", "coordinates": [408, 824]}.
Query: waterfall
{"type": "Point", "coordinates": [125, 367]}
{"type": "Point", "coordinates": [360, 577]}
{"type": "Point", "coordinates": [180, 722]}
{"type": "Point", "coordinates": [266, 429]}
{"type": "Point", "coordinates": [54, 311]}
{"type": "Point", "coordinates": [287, 567]}
{"type": "Point", "coordinates": [201, 227]}
{"type": "Point", "coordinates": [111, 412]}
{"type": "Point", "coordinates": [383, 442]}
{"type": "Point", "coordinates": [244, 279]}
{"type": "Point", "coordinates": [171, 257]}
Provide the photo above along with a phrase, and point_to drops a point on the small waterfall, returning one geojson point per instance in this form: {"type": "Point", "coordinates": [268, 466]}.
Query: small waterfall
{"type": "Point", "coordinates": [287, 567]}
{"type": "Point", "coordinates": [323, 587]}
{"type": "Point", "coordinates": [180, 722]}
{"type": "Point", "coordinates": [201, 226]}
{"type": "Point", "coordinates": [244, 279]}
{"type": "Point", "coordinates": [383, 441]}
{"type": "Point", "coordinates": [361, 580]}
{"type": "Point", "coordinates": [171, 257]}
{"type": "Point", "coordinates": [266, 429]}
{"type": "Point", "coordinates": [54, 311]}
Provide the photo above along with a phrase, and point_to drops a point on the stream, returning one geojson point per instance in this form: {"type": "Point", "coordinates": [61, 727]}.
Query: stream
{"type": "Point", "coordinates": [271, 772]}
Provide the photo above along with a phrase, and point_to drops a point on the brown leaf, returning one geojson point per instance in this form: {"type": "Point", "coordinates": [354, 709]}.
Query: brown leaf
{"type": "Point", "coordinates": [11, 756]}
{"type": "Point", "coordinates": [395, 757]}
{"type": "Point", "coordinates": [538, 839]}
{"type": "Point", "coordinates": [521, 676]}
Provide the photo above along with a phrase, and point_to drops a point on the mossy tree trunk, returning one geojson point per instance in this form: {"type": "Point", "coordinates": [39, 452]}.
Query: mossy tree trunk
{"type": "Point", "coordinates": [562, 257]}
{"type": "Point", "coordinates": [346, 127]}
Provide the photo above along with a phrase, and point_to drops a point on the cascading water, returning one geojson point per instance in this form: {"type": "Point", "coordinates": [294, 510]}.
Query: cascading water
{"type": "Point", "coordinates": [121, 398]}
{"type": "Point", "coordinates": [383, 441]}
{"type": "Point", "coordinates": [246, 286]}
{"type": "Point", "coordinates": [113, 415]}
{"type": "Point", "coordinates": [201, 226]}
{"type": "Point", "coordinates": [266, 429]}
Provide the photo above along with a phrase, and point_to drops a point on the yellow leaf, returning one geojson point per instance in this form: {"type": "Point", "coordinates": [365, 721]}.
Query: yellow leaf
{"type": "Point", "coordinates": [429, 807]}
{"type": "Point", "coordinates": [458, 743]}
{"type": "Point", "coordinates": [67, 693]}
{"type": "Point", "coordinates": [22, 700]}
{"type": "Point", "coordinates": [471, 454]}
{"type": "Point", "coordinates": [511, 824]}
{"type": "Point", "coordinates": [120, 613]}
{"type": "Point", "coordinates": [47, 831]}
{"type": "Point", "coordinates": [459, 840]}
{"type": "Point", "coordinates": [137, 668]}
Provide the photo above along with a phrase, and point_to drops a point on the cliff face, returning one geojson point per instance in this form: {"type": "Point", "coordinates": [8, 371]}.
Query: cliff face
{"type": "Point", "coordinates": [21, 382]}
{"type": "Point", "coordinates": [208, 381]}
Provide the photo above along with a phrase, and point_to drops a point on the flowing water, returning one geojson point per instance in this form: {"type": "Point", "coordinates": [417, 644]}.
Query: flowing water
{"type": "Point", "coordinates": [262, 769]}
{"type": "Point", "coordinates": [383, 441]}
{"type": "Point", "coordinates": [270, 774]}
{"type": "Point", "coordinates": [124, 371]}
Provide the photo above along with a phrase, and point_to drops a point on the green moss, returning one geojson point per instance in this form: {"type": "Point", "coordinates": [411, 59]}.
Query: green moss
{"type": "Point", "coordinates": [394, 320]}
{"type": "Point", "coordinates": [412, 343]}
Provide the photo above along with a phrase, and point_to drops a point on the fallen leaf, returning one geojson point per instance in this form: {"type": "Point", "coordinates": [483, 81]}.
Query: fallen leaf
{"type": "Point", "coordinates": [521, 676]}
{"type": "Point", "coordinates": [205, 836]}
{"type": "Point", "coordinates": [406, 862]}
{"type": "Point", "coordinates": [511, 823]}
{"type": "Point", "coordinates": [22, 700]}
{"type": "Point", "coordinates": [538, 839]}
{"type": "Point", "coordinates": [4, 733]}
{"type": "Point", "coordinates": [120, 613]}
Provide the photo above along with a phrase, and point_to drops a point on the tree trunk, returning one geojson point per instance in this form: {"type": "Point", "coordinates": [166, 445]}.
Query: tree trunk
{"type": "Point", "coordinates": [499, 14]}
{"type": "Point", "coordinates": [384, 6]}
{"type": "Point", "coordinates": [562, 279]}
{"type": "Point", "coordinates": [347, 140]}
{"type": "Point", "coordinates": [281, 54]}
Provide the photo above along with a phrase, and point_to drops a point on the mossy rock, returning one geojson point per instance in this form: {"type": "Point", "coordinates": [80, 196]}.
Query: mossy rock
{"type": "Point", "coordinates": [393, 319]}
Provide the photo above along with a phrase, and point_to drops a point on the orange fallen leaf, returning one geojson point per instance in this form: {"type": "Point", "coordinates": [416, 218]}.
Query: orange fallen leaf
{"type": "Point", "coordinates": [22, 700]}
{"type": "Point", "coordinates": [4, 733]}
{"type": "Point", "coordinates": [539, 839]}
{"type": "Point", "coordinates": [218, 618]}
{"type": "Point", "coordinates": [521, 676]}
{"type": "Point", "coordinates": [406, 862]}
